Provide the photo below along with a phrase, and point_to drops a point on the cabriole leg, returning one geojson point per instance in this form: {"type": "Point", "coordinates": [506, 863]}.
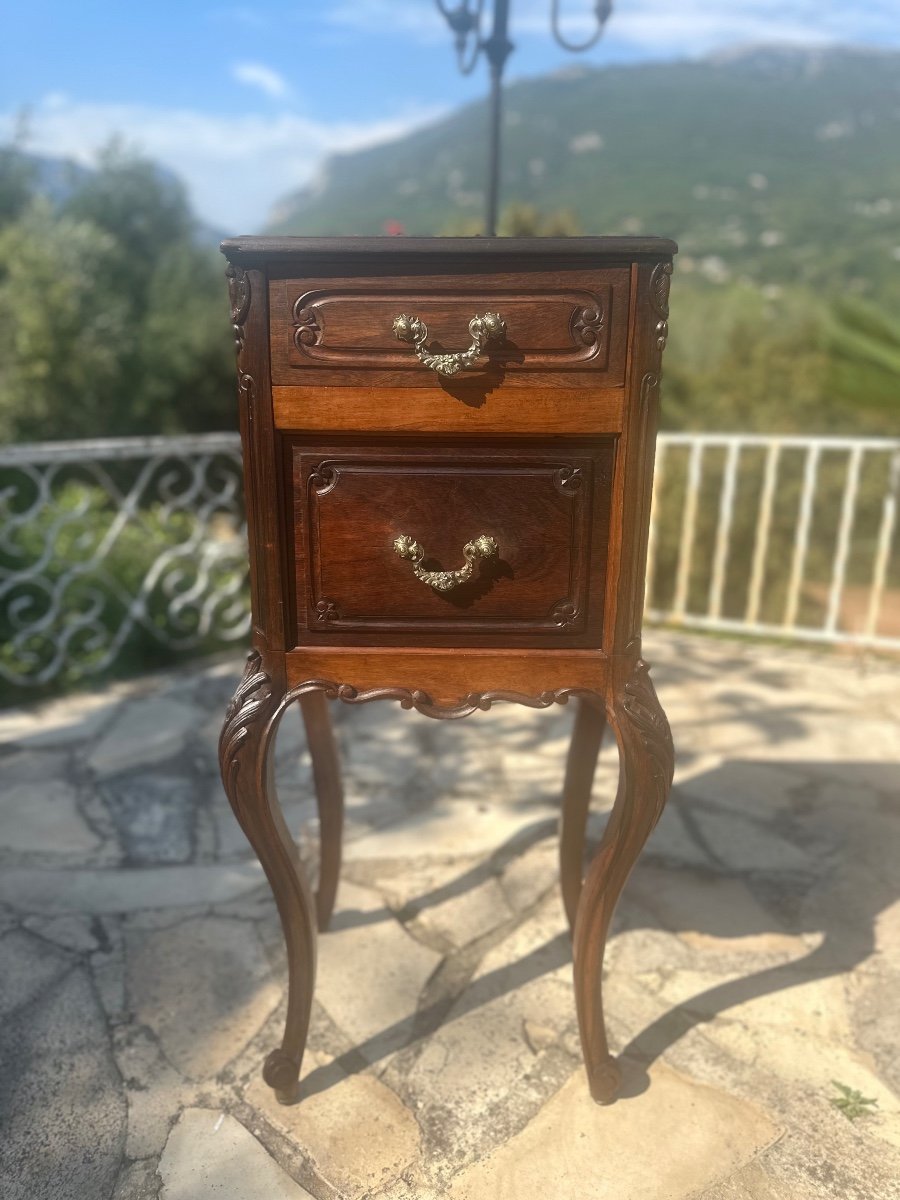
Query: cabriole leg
{"type": "Point", "coordinates": [646, 760]}
{"type": "Point", "coordinates": [587, 737]}
{"type": "Point", "coordinates": [326, 768]}
{"type": "Point", "coordinates": [246, 763]}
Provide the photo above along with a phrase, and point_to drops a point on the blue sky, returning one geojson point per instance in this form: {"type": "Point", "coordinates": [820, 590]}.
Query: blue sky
{"type": "Point", "coordinates": [245, 101]}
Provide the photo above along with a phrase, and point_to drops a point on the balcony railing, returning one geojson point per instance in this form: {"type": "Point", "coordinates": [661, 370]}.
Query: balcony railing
{"type": "Point", "coordinates": [787, 537]}
{"type": "Point", "coordinates": [117, 553]}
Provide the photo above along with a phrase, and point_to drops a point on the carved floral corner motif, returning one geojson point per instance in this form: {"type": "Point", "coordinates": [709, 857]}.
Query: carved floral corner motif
{"type": "Point", "coordinates": [307, 326]}
{"type": "Point", "coordinates": [239, 298]}
{"type": "Point", "coordinates": [660, 282]}
{"type": "Point", "coordinates": [323, 478]}
{"type": "Point", "coordinates": [640, 707]}
{"type": "Point", "coordinates": [564, 614]}
{"type": "Point", "coordinates": [326, 612]}
{"type": "Point", "coordinates": [569, 480]}
{"type": "Point", "coordinates": [649, 387]}
{"type": "Point", "coordinates": [588, 324]}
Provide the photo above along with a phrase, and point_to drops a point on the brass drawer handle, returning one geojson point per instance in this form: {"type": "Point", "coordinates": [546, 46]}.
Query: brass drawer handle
{"type": "Point", "coordinates": [480, 547]}
{"type": "Point", "coordinates": [485, 329]}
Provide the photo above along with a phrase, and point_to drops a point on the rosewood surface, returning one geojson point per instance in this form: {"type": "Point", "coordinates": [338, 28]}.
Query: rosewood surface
{"type": "Point", "coordinates": [546, 508]}
{"type": "Point", "coordinates": [545, 446]}
{"type": "Point", "coordinates": [468, 406]}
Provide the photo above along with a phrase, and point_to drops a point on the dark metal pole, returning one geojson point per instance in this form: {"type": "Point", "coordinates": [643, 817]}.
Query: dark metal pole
{"type": "Point", "coordinates": [498, 48]}
{"type": "Point", "coordinates": [464, 20]}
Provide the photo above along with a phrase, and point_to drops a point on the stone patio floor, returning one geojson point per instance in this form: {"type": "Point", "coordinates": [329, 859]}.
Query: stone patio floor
{"type": "Point", "coordinates": [755, 957]}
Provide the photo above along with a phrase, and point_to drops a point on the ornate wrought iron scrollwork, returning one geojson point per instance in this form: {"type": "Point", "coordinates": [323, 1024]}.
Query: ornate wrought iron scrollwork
{"type": "Point", "coordinates": [102, 543]}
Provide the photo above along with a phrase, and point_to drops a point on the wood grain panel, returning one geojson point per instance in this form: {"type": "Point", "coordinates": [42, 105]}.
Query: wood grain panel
{"type": "Point", "coordinates": [465, 408]}
{"type": "Point", "coordinates": [565, 327]}
{"type": "Point", "coordinates": [547, 509]}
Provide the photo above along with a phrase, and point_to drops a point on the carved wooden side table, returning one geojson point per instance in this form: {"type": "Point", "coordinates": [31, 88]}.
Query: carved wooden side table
{"type": "Point", "coordinates": [448, 457]}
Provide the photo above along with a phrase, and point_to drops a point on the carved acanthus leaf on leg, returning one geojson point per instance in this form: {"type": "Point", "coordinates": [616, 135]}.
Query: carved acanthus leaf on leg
{"type": "Point", "coordinates": [640, 705]}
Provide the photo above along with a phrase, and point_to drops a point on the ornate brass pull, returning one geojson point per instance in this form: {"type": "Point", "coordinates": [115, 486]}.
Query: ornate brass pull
{"type": "Point", "coordinates": [485, 329]}
{"type": "Point", "coordinates": [480, 547]}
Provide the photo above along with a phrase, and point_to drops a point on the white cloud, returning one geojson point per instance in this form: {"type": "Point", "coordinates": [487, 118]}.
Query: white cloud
{"type": "Point", "coordinates": [239, 14]}
{"type": "Point", "coordinates": [260, 76]}
{"type": "Point", "coordinates": [234, 167]}
{"type": "Point", "coordinates": [690, 27]}
{"type": "Point", "coordinates": [422, 20]}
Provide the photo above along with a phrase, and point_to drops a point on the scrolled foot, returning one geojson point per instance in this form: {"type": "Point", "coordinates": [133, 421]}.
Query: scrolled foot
{"type": "Point", "coordinates": [282, 1074]}
{"type": "Point", "coordinates": [605, 1081]}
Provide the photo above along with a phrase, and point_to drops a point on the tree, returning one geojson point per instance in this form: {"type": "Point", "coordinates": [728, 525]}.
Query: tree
{"type": "Point", "coordinates": [64, 331]}
{"type": "Point", "coordinates": [144, 208]}
{"type": "Point", "coordinates": [186, 351]}
{"type": "Point", "coordinates": [113, 318]}
{"type": "Point", "coordinates": [17, 180]}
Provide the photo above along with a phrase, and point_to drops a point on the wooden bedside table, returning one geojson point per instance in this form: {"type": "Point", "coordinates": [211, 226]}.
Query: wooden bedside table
{"type": "Point", "coordinates": [448, 458]}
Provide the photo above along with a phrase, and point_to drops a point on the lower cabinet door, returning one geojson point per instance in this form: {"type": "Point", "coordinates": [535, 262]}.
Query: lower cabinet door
{"type": "Point", "coordinates": [500, 545]}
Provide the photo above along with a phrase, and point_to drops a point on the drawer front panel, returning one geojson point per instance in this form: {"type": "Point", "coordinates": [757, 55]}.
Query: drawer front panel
{"type": "Point", "coordinates": [547, 512]}
{"type": "Point", "coordinates": [563, 328]}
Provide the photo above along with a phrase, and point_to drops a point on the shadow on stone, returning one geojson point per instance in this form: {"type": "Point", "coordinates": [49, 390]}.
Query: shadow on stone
{"type": "Point", "coordinates": [809, 862]}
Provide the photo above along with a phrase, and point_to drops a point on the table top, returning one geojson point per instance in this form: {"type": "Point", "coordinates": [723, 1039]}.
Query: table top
{"type": "Point", "coordinates": [244, 249]}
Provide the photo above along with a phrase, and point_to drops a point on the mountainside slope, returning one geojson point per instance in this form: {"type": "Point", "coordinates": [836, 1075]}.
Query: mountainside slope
{"type": "Point", "coordinates": [770, 164]}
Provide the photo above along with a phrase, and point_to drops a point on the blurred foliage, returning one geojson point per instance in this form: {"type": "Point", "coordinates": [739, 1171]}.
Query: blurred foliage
{"type": "Point", "coordinates": [519, 220]}
{"type": "Point", "coordinates": [113, 316]}
{"type": "Point", "coordinates": [786, 360]}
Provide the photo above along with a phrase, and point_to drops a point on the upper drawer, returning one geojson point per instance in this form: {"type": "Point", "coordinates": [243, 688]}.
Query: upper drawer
{"type": "Point", "coordinates": [564, 327]}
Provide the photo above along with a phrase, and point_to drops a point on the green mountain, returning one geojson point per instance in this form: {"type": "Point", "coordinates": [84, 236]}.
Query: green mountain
{"type": "Point", "coordinates": [769, 165]}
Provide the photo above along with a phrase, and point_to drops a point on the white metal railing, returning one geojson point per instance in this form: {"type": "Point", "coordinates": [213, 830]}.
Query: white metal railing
{"type": "Point", "coordinates": [791, 537]}
{"type": "Point", "coordinates": [108, 542]}
{"type": "Point", "coordinates": [117, 546]}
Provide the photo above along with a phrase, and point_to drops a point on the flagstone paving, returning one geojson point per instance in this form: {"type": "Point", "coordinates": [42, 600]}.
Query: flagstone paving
{"type": "Point", "coordinates": [754, 961]}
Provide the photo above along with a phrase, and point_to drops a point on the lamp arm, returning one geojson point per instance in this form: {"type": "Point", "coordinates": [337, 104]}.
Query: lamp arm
{"type": "Point", "coordinates": [602, 12]}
